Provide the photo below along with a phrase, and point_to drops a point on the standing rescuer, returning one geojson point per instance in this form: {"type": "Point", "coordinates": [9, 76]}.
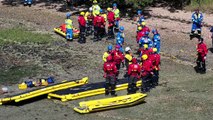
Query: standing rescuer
{"type": "Point", "coordinates": [117, 15]}
{"type": "Point", "coordinates": [134, 70]}
{"type": "Point", "coordinates": [156, 66]}
{"type": "Point", "coordinates": [201, 55]}
{"type": "Point", "coordinates": [111, 21]}
{"type": "Point", "coordinates": [107, 53]}
{"type": "Point", "coordinates": [99, 23]}
{"type": "Point", "coordinates": [146, 74]}
{"type": "Point", "coordinates": [69, 27]}
{"type": "Point", "coordinates": [197, 18]}
{"type": "Point", "coordinates": [110, 71]}
{"type": "Point", "coordinates": [82, 27]}
{"type": "Point", "coordinates": [95, 7]}
{"type": "Point", "coordinates": [89, 19]}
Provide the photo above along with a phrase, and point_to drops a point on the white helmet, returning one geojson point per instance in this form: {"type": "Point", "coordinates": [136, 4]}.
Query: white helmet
{"type": "Point", "coordinates": [127, 49]}
{"type": "Point", "coordinates": [90, 9]}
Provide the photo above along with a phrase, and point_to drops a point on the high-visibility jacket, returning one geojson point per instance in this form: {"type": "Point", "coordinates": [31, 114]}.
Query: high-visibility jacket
{"type": "Point", "coordinates": [105, 17]}
{"type": "Point", "coordinates": [116, 12]}
{"type": "Point", "coordinates": [68, 23]}
{"type": "Point", "coordinates": [106, 54]}
{"type": "Point", "coordinates": [95, 8]}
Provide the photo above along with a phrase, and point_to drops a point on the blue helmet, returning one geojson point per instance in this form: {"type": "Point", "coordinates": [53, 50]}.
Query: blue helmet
{"type": "Point", "coordinates": [101, 10]}
{"type": "Point", "coordinates": [68, 15]}
{"type": "Point", "coordinates": [146, 33]}
{"type": "Point", "coordinates": [154, 31]}
{"type": "Point", "coordinates": [109, 47]}
{"type": "Point", "coordinates": [114, 5]}
{"type": "Point", "coordinates": [139, 12]}
{"type": "Point", "coordinates": [121, 28]}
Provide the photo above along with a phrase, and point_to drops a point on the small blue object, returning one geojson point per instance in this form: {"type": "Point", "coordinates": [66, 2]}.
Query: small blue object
{"type": "Point", "coordinates": [50, 80]}
{"type": "Point", "coordinates": [101, 10]}
{"type": "Point", "coordinates": [114, 5]}
{"type": "Point", "coordinates": [121, 28]}
{"type": "Point", "coordinates": [29, 83]}
{"type": "Point", "coordinates": [68, 15]}
{"type": "Point", "coordinates": [110, 47]}
{"type": "Point", "coordinates": [139, 12]}
{"type": "Point", "coordinates": [147, 33]}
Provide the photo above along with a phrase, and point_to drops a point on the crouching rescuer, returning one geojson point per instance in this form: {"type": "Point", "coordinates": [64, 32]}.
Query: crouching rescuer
{"type": "Point", "coordinates": [134, 70]}
{"type": "Point", "coordinates": [110, 71]}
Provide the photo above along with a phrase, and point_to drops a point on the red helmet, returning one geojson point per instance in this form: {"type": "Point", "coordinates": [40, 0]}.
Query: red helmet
{"type": "Point", "coordinates": [109, 58]}
{"type": "Point", "coordinates": [134, 60]}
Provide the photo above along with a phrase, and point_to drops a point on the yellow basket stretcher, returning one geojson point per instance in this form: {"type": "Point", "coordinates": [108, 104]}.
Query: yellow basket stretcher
{"type": "Point", "coordinates": [110, 103]}
{"type": "Point", "coordinates": [43, 91]}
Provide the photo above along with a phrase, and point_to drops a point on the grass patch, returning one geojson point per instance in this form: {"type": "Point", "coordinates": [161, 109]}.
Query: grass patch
{"type": "Point", "coordinates": [204, 5]}
{"type": "Point", "coordinates": [14, 74]}
{"type": "Point", "coordinates": [22, 35]}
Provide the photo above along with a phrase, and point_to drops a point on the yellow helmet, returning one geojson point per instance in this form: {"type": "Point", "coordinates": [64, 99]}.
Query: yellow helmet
{"type": "Point", "coordinates": [143, 23]}
{"type": "Point", "coordinates": [109, 9]}
{"type": "Point", "coordinates": [139, 28]}
{"type": "Point", "coordinates": [97, 13]}
{"type": "Point", "coordinates": [145, 57]}
{"type": "Point", "coordinates": [82, 13]}
{"type": "Point", "coordinates": [154, 49]}
{"type": "Point", "coordinates": [95, 2]}
{"type": "Point", "coordinates": [145, 46]}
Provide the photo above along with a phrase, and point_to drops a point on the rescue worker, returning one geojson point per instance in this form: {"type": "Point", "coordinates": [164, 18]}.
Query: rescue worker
{"type": "Point", "coordinates": [82, 27]}
{"type": "Point", "coordinates": [95, 8]}
{"type": "Point", "coordinates": [110, 71]}
{"type": "Point", "coordinates": [117, 15]}
{"type": "Point", "coordinates": [145, 50]}
{"type": "Point", "coordinates": [156, 66]}
{"type": "Point", "coordinates": [144, 27]}
{"type": "Point", "coordinates": [99, 23]}
{"type": "Point", "coordinates": [28, 2]}
{"type": "Point", "coordinates": [140, 34]}
{"type": "Point", "coordinates": [111, 21]}
{"type": "Point", "coordinates": [146, 74]}
{"type": "Point", "coordinates": [120, 42]}
{"type": "Point", "coordinates": [201, 55]}
{"type": "Point", "coordinates": [211, 30]}
{"type": "Point", "coordinates": [145, 40]}
{"type": "Point", "coordinates": [69, 28]}
{"type": "Point", "coordinates": [118, 58]}
{"type": "Point", "coordinates": [127, 59]}
{"type": "Point", "coordinates": [103, 29]}
{"type": "Point", "coordinates": [121, 33]}
{"type": "Point", "coordinates": [156, 40]}
{"type": "Point", "coordinates": [140, 18]}
{"type": "Point", "coordinates": [197, 19]}
{"type": "Point", "coordinates": [89, 19]}
{"type": "Point", "coordinates": [107, 53]}
{"type": "Point", "coordinates": [134, 70]}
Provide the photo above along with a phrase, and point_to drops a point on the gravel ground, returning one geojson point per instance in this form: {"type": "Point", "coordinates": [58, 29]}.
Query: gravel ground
{"type": "Point", "coordinates": [177, 87]}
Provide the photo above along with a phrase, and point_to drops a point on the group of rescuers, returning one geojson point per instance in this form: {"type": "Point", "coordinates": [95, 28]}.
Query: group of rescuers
{"type": "Point", "coordinates": [146, 67]}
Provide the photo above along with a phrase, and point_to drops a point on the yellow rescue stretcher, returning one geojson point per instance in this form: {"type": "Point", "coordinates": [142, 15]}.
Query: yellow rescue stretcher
{"type": "Point", "coordinates": [62, 33]}
{"type": "Point", "coordinates": [44, 91]}
{"type": "Point", "coordinates": [87, 90]}
{"type": "Point", "coordinates": [110, 103]}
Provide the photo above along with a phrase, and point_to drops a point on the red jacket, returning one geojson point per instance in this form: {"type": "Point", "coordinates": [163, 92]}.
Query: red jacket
{"type": "Point", "coordinates": [145, 51]}
{"type": "Point", "coordinates": [99, 21]}
{"type": "Point", "coordinates": [81, 21]}
{"type": "Point", "coordinates": [90, 17]}
{"type": "Point", "coordinates": [145, 29]}
{"type": "Point", "coordinates": [139, 35]}
{"type": "Point", "coordinates": [156, 61]}
{"type": "Point", "coordinates": [134, 70]}
{"type": "Point", "coordinates": [111, 17]}
{"type": "Point", "coordinates": [146, 68]}
{"type": "Point", "coordinates": [110, 68]}
{"type": "Point", "coordinates": [202, 49]}
{"type": "Point", "coordinates": [118, 56]}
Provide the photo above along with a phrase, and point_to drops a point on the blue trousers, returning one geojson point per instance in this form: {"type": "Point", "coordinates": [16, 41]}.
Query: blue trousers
{"type": "Point", "coordinates": [196, 26]}
{"type": "Point", "coordinates": [69, 34]}
{"type": "Point", "coordinates": [29, 2]}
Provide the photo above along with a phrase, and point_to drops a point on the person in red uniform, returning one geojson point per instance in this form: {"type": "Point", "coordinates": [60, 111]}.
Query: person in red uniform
{"type": "Point", "coordinates": [82, 27]}
{"type": "Point", "coordinates": [201, 55]}
{"type": "Point", "coordinates": [146, 74]}
{"type": "Point", "coordinates": [99, 23]}
{"type": "Point", "coordinates": [111, 21]}
{"type": "Point", "coordinates": [145, 28]}
{"type": "Point", "coordinates": [118, 57]}
{"type": "Point", "coordinates": [110, 71]}
{"type": "Point", "coordinates": [140, 34]}
{"type": "Point", "coordinates": [134, 70]}
{"type": "Point", "coordinates": [156, 66]}
{"type": "Point", "coordinates": [144, 50]}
